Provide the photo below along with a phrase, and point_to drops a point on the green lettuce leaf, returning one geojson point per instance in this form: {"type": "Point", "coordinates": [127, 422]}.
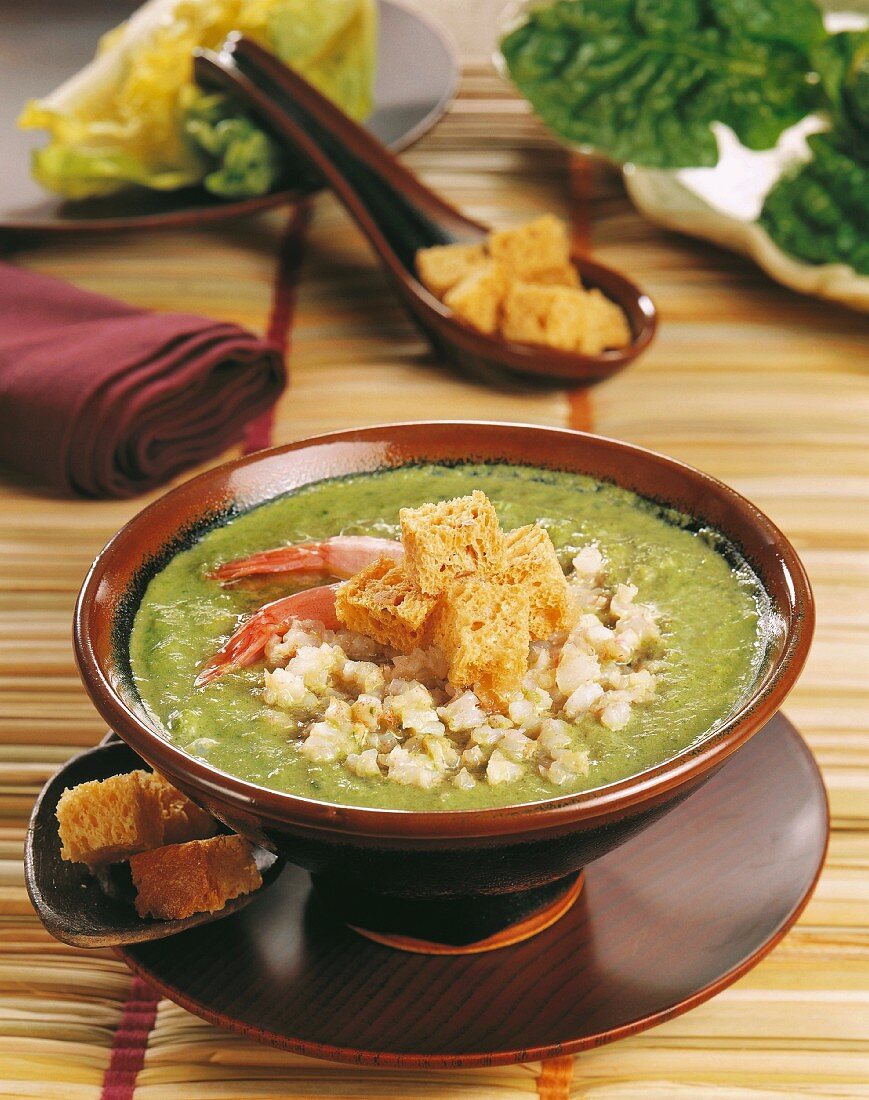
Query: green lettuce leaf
{"type": "Point", "coordinates": [842, 61]}
{"type": "Point", "coordinates": [819, 211]}
{"type": "Point", "coordinates": [134, 116]}
{"type": "Point", "coordinates": [642, 80]}
{"type": "Point", "coordinates": [243, 160]}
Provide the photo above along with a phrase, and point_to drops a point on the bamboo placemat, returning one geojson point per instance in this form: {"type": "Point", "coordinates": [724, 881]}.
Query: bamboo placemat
{"type": "Point", "coordinates": [760, 387]}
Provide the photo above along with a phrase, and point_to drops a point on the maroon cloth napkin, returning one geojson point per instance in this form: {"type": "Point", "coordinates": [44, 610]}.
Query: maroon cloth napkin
{"type": "Point", "coordinates": [102, 399]}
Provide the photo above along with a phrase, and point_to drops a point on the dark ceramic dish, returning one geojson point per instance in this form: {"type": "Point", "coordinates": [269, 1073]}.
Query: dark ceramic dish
{"type": "Point", "coordinates": [450, 877]}
{"type": "Point", "coordinates": [400, 215]}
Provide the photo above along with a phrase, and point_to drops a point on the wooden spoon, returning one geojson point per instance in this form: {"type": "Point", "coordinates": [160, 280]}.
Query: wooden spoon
{"type": "Point", "coordinates": [400, 215]}
{"type": "Point", "coordinates": [89, 910]}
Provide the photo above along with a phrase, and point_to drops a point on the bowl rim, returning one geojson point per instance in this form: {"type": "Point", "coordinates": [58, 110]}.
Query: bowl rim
{"type": "Point", "coordinates": [602, 804]}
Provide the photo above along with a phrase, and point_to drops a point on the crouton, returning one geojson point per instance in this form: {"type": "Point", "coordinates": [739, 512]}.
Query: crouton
{"type": "Point", "coordinates": [531, 249]}
{"type": "Point", "coordinates": [566, 275]}
{"type": "Point", "coordinates": [478, 296]}
{"type": "Point", "coordinates": [483, 629]}
{"type": "Point", "coordinates": [521, 283]}
{"type": "Point", "coordinates": [531, 562]}
{"type": "Point", "coordinates": [525, 313]}
{"type": "Point", "coordinates": [606, 327]}
{"type": "Point", "coordinates": [441, 267]}
{"type": "Point", "coordinates": [102, 822]}
{"type": "Point", "coordinates": [182, 819]}
{"type": "Point", "coordinates": [382, 603]}
{"type": "Point", "coordinates": [567, 319]}
{"type": "Point", "coordinates": [553, 315]}
{"type": "Point", "coordinates": [451, 539]}
{"type": "Point", "coordinates": [200, 876]}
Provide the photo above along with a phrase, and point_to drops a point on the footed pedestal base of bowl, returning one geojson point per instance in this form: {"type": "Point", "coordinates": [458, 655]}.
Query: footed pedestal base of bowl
{"type": "Point", "coordinates": [662, 923]}
{"type": "Point", "coordinates": [449, 926]}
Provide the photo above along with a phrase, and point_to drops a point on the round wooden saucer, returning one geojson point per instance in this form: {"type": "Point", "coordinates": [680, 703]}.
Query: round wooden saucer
{"type": "Point", "coordinates": [661, 924]}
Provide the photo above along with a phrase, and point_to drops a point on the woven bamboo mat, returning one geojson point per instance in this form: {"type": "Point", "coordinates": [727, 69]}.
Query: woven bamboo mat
{"type": "Point", "coordinates": [760, 387]}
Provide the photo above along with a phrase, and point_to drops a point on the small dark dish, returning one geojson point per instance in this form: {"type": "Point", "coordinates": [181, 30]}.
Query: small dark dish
{"type": "Point", "coordinates": [400, 215]}
{"type": "Point", "coordinates": [472, 865]}
{"type": "Point", "coordinates": [96, 910]}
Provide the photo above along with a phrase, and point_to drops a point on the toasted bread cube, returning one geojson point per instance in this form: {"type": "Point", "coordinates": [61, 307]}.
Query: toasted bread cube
{"type": "Point", "coordinates": [483, 630]}
{"type": "Point", "coordinates": [182, 818]}
{"type": "Point", "coordinates": [568, 317]}
{"type": "Point", "coordinates": [451, 539]}
{"type": "Point", "coordinates": [526, 312]}
{"type": "Point", "coordinates": [200, 876]}
{"type": "Point", "coordinates": [554, 315]}
{"type": "Point", "coordinates": [478, 296]}
{"type": "Point", "coordinates": [531, 563]}
{"type": "Point", "coordinates": [607, 326]}
{"type": "Point", "coordinates": [109, 820]}
{"type": "Point", "coordinates": [566, 275]}
{"type": "Point", "coordinates": [382, 602]}
{"type": "Point", "coordinates": [103, 822]}
{"type": "Point", "coordinates": [232, 866]}
{"type": "Point", "coordinates": [531, 249]}
{"type": "Point", "coordinates": [441, 267]}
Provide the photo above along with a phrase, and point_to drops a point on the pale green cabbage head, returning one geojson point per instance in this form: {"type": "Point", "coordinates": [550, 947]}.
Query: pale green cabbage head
{"type": "Point", "coordinates": [134, 115]}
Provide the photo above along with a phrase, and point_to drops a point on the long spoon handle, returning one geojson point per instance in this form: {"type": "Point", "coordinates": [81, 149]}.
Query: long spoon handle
{"type": "Point", "coordinates": [396, 212]}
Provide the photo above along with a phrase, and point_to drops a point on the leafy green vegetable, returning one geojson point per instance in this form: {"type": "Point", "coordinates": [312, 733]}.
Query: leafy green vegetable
{"type": "Point", "coordinates": [135, 116]}
{"type": "Point", "coordinates": [642, 80]}
{"type": "Point", "coordinates": [245, 161]}
{"type": "Point", "coordinates": [842, 61]}
{"type": "Point", "coordinates": [820, 211]}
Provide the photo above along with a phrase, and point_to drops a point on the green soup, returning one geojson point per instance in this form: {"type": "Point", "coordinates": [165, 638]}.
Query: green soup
{"type": "Point", "coordinates": [711, 609]}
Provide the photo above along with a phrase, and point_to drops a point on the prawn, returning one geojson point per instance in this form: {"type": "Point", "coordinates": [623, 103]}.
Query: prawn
{"type": "Point", "coordinates": [249, 641]}
{"type": "Point", "coordinates": [340, 556]}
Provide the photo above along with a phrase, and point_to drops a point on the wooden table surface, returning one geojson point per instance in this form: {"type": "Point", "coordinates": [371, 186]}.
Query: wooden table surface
{"type": "Point", "coordinates": [763, 388]}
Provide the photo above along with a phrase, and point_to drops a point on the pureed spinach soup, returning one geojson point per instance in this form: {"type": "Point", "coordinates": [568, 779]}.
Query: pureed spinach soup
{"type": "Point", "coordinates": [665, 640]}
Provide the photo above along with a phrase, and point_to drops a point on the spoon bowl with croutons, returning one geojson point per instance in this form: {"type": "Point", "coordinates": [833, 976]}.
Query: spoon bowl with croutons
{"type": "Point", "coordinates": [510, 305]}
{"type": "Point", "coordinates": [143, 852]}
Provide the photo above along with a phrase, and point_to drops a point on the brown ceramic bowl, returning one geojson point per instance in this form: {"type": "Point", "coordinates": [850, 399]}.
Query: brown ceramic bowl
{"type": "Point", "coordinates": [453, 877]}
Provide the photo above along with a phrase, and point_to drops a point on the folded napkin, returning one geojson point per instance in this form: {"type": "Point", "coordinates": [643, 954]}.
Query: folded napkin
{"type": "Point", "coordinates": [102, 399]}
